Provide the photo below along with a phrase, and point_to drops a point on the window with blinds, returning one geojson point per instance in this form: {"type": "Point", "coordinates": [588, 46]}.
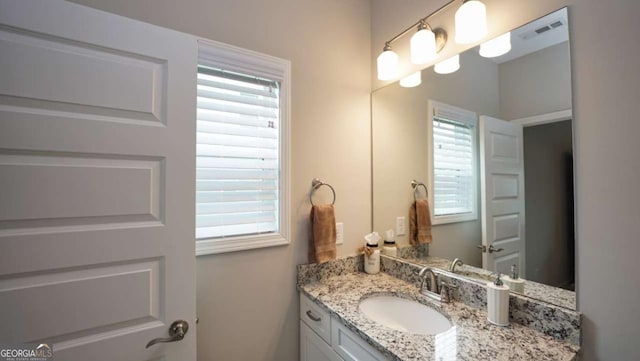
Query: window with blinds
{"type": "Point", "coordinates": [454, 178]}
{"type": "Point", "coordinates": [239, 165]}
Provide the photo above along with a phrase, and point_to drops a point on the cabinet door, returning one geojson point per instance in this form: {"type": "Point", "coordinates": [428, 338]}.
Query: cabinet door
{"type": "Point", "coordinates": [313, 348]}
{"type": "Point", "coordinates": [350, 346]}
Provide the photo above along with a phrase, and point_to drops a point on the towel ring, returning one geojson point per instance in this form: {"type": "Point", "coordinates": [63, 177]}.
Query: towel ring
{"type": "Point", "coordinates": [415, 184]}
{"type": "Point", "coordinates": [317, 183]}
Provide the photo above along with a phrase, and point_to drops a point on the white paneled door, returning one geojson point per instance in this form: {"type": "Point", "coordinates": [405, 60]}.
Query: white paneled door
{"type": "Point", "coordinates": [502, 189]}
{"type": "Point", "coordinates": [97, 134]}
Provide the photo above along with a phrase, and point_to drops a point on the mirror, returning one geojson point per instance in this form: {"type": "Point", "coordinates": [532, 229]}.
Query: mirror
{"type": "Point", "coordinates": [528, 87]}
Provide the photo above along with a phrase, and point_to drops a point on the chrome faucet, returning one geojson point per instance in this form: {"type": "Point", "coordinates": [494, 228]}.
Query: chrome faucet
{"type": "Point", "coordinates": [456, 262]}
{"type": "Point", "coordinates": [433, 281]}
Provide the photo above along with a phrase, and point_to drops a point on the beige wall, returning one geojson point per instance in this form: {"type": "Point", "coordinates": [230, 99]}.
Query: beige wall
{"type": "Point", "coordinates": [247, 301]}
{"type": "Point", "coordinates": [400, 150]}
{"type": "Point", "coordinates": [536, 84]}
{"type": "Point", "coordinates": [606, 85]}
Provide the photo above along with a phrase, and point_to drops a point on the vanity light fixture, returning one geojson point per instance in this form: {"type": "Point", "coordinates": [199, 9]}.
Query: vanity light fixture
{"type": "Point", "coordinates": [387, 64]}
{"type": "Point", "coordinates": [412, 80]}
{"type": "Point", "coordinates": [471, 22]}
{"type": "Point", "coordinates": [496, 46]}
{"type": "Point", "coordinates": [426, 43]}
{"type": "Point", "coordinates": [448, 66]}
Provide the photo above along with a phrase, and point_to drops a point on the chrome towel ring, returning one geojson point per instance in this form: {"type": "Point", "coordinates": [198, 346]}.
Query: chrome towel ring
{"type": "Point", "coordinates": [415, 184]}
{"type": "Point", "coordinates": [317, 183]}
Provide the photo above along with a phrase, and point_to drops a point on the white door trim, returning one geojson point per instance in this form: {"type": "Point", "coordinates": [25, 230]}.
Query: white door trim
{"type": "Point", "coordinates": [545, 118]}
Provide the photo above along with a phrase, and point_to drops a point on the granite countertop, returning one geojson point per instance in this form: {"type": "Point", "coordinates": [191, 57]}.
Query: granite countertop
{"type": "Point", "coordinates": [472, 338]}
{"type": "Point", "coordinates": [557, 296]}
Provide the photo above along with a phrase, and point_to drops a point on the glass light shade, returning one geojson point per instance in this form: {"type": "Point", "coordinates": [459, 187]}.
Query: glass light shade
{"type": "Point", "coordinates": [423, 46]}
{"type": "Point", "coordinates": [388, 65]}
{"type": "Point", "coordinates": [412, 80]}
{"type": "Point", "coordinates": [448, 66]}
{"type": "Point", "coordinates": [471, 22]}
{"type": "Point", "coordinates": [496, 46]}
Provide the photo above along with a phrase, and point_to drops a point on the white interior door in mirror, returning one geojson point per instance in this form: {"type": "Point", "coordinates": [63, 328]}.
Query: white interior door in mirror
{"type": "Point", "coordinates": [97, 179]}
{"type": "Point", "coordinates": [502, 193]}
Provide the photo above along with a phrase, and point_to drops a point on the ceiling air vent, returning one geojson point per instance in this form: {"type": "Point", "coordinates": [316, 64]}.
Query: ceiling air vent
{"type": "Point", "coordinates": [554, 24]}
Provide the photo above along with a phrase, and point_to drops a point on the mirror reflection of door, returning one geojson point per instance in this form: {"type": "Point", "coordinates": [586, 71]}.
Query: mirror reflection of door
{"type": "Point", "coordinates": [503, 195]}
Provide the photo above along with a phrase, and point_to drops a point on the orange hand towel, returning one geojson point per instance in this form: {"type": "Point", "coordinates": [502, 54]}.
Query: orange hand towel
{"type": "Point", "coordinates": [322, 243]}
{"type": "Point", "coordinates": [420, 222]}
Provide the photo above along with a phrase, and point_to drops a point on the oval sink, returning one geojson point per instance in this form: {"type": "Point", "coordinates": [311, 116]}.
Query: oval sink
{"type": "Point", "coordinates": [404, 315]}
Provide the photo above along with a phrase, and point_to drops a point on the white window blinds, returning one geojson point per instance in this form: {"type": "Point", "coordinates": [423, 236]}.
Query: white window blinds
{"type": "Point", "coordinates": [454, 173]}
{"type": "Point", "coordinates": [238, 147]}
{"type": "Point", "coordinates": [453, 168]}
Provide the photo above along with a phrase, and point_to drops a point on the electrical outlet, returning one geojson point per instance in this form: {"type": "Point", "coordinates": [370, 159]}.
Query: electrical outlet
{"type": "Point", "coordinates": [400, 226]}
{"type": "Point", "coordinates": [339, 233]}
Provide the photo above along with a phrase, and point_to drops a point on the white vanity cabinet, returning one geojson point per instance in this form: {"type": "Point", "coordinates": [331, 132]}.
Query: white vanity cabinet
{"type": "Point", "coordinates": [324, 338]}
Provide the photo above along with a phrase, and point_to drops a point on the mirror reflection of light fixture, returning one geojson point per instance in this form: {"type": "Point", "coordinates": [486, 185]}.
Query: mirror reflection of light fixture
{"type": "Point", "coordinates": [411, 80]}
{"type": "Point", "coordinates": [496, 46]}
{"type": "Point", "coordinates": [448, 66]}
{"type": "Point", "coordinates": [471, 22]}
{"type": "Point", "coordinates": [387, 64]}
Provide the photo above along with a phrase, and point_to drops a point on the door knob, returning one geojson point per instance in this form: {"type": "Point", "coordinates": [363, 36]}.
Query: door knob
{"type": "Point", "coordinates": [491, 248]}
{"type": "Point", "coordinates": [176, 333]}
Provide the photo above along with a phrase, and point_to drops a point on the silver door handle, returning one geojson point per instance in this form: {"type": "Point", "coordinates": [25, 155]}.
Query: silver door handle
{"type": "Point", "coordinates": [176, 333]}
{"type": "Point", "coordinates": [491, 248]}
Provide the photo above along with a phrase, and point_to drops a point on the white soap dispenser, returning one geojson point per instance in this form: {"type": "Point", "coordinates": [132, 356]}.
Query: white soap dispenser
{"type": "Point", "coordinates": [389, 248]}
{"type": "Point", "coordinates": [515, 283]}
{"type": "Point", "coordinates": [498, 302]}
{"type": "Point", "coordinates": [372, 253]}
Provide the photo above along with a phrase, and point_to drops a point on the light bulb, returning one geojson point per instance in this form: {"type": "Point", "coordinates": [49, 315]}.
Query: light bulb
{"type": "Point", "coordinates": [496, 46]}
{"type": "Point", "coordinates": [387, 65]}
{"type": "Point", "coordinates": [423, 46]}
{"type": "Point", "coordinates": [448, 66]}
{"type": "Point", "coordinates": [471, 22]}
{"type": "Point", "coordinates": [412, 80]}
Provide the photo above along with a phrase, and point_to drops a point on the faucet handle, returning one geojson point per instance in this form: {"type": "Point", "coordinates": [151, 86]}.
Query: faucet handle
{"type": "Point", "coordinates": [445, 291]}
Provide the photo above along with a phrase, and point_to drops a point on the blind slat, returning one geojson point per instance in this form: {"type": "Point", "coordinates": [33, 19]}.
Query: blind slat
{"type": "Point", "coordinates": [234, 185]}
{"type": "Point", "coordinates": [232, 129]}
{"type": "Point", "coordinates": [237, 196]}
{"type": "Point", "coordinates": [209, 220]}
{"type": "Point", "coordinates": [236, 108]}
{"type": "Point", "coordinates": [213, 173]}
{"type": "Point", "coordinates": [234, 207]}
{"type": "Point", "coordinates": [208, 150]}
{"type": "Point", "coordinates": [219, 95]}
{"type": "Point", "coordinates": [235, 230]}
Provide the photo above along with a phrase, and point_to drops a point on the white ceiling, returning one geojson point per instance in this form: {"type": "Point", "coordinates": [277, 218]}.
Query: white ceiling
{"type": "Point", "coordinates": [530, 37]}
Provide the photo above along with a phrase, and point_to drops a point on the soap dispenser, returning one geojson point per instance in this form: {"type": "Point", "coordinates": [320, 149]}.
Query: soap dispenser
{"type": "Point", "coordinates": [498, 302]}
{"type": "Point", "coordinates": [372, 253]}
{"type": "Point", "coordinates": [389, 248]}
{"type": "Point", "coordinates": [515, 283]}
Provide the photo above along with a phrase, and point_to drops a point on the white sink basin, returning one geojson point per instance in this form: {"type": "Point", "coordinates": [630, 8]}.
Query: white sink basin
{"type": "Point", "coordinates": [404, 315]}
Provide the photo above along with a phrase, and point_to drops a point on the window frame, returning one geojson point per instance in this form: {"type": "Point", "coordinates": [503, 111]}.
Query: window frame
{"type": "Point", "coordinates": [438, 109]}
{"type": "Point", "coordinates": [228, 57]}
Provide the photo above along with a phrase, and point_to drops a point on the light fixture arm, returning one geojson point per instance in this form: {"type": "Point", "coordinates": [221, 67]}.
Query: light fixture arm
{"type": "Point", "coordinates": [419, 23]}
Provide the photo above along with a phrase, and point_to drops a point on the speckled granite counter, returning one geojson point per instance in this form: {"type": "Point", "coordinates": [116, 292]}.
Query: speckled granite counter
{"type": "Point", "coordinates": [472, 338]}
{"type": "Point", "coordinates": [557, 296]}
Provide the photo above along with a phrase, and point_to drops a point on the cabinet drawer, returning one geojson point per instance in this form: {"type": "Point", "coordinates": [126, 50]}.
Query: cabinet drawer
{"type": "Point", "coordinates": [350, 346]}
{"type": "Point", "coordinates": [316, 318]}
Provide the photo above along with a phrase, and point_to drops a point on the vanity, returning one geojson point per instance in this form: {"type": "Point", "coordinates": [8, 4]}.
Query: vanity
{"type": "Point", "coordinates": [333, 325]}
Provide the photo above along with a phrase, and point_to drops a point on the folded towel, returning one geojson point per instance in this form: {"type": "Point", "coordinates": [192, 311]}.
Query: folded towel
{"type": "Point", "coordinates": [322, 242]}
{"type": "Point", "coordinates": [420, 222]}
